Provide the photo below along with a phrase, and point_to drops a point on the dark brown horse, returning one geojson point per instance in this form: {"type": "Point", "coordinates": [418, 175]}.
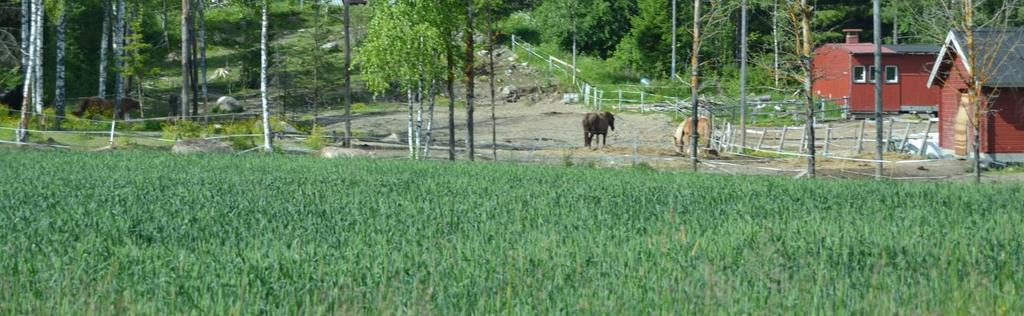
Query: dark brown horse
{"type": "Point", "coordinates": [13, 98]}
{"type": "Point", "coordinates": [102, 105]}
{"type": "Point", "coordinates": [597, 124]}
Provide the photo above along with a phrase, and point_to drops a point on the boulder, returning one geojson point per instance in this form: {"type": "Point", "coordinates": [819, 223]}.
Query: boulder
{"type": "Point", "coordinates": [339, 152]}
{"type": "Point", "coordinates": [192, 146]}
{"type": "Point", "coordinates": [393, 138]}
{"type": "Point", "coordinates": [286, 128]}
{"type": "Point", "coordinates": [509, 90]}
{"type": "Point", "coordinates": [330, 46]}
{"type": "Point", "coordinates": [226, 104]}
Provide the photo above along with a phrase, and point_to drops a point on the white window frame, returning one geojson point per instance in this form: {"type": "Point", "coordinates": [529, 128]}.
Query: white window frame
{"type": "Point", "coordinates": [896, 74]}
{"type": "Point", "coordinates": [864, 74]}
{"type": "Point", "coordinates": [871, 74]}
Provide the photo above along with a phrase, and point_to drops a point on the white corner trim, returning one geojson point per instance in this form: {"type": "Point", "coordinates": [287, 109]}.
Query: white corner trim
{"type": "Point", "coordinates": [950, 41]}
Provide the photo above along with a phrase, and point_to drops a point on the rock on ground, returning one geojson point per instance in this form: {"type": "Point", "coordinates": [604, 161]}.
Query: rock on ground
{"type": "Point", "coordinates": [191, 146]}
{"type": "Point", "coordinates": [226, 104]}
{"type": "Point", "coordinates": [339, 152]}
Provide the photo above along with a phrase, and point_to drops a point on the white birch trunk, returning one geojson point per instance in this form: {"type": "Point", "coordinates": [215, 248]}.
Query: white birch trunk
{"type": "Point", "coordinates": [29, 80]}
{"type": "Point", "coordinates": [37, 26]}
{"type": "Point", "coordinates": [267, 145]}
{"type": "Point", "coordinates": [104, 41]}
{"type": "Point", "coordinates": [26, 37]}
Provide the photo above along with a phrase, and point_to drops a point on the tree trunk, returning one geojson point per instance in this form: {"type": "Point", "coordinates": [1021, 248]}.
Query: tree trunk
{"type": "Point", "coordinates": [974, 85]}
{"type": "Point", "coordinates": [470, 79]}
{"type": "Point", "coordinates": [672, 73]}
{"type": "Point", "coordinates": [267, 145]}
{"type": "Point", "coordinates": [743, 75]}
{"type": "Point", "coordinates": [409, 101]}
{"type": "Point", "coordinates": [430, 120]}
{"type": "Point", "coordinates": [450, 59]}
{"type": "Point", "coordinates": [419, 116]}
{"type": "Point", "coordinates": [59, 95]}
{"type": "Point", "coordinates": [775, 41]}
{"type": "Point", "coordinates": [805, 25]}
{"type": "Point", "coordinates": [194, 63]}
{"type": "Point", "coordinates": [877, 26]}
{"type": "Point", "coordinates": [184, 100]}
{"type": "Point", "coordinates": [202, 51]}
{"type": "Point", "coordinates": [490, 55]}
{"type": "Point", "coordinates": [26, 36]}
{"type": "Point", "coordinates": [29, 44]}
{"type": "Point", "coordinates": [316, 61]}
{"type": "Point", "coordinates": [695, 83]}
{"type": "Point", "coordinates": [104, 42]}
{"type": "Point", "coordinates": [38, 26]}
{"type": "Point", "coordinates": [166, 25]}
{"type": "Point", "coordinates": [119, 30]}
{"type": "Point", "coordinates": [348, 78]}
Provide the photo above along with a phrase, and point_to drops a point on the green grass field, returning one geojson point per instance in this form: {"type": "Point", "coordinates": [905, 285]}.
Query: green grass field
{"type": "Point", "coordinates": [151, 233]}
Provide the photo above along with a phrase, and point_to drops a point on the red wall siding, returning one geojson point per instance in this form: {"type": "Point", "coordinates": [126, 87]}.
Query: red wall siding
{"type": "Point", "coordinates": [832, 75]}
{"type": "Point", "coordinates": [912, 88]}
{"type": "Point", "coordinates": [1002, 132]}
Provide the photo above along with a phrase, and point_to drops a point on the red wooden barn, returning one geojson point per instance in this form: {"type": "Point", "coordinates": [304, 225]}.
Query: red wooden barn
{"type": "Point", "coordinates": [844, 71]}
{"type": "Point", "coordinates": [1000, 56]}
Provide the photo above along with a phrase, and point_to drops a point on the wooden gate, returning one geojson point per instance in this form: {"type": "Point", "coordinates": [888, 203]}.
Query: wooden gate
{"type": "Point", "coordinates": [961, 127]}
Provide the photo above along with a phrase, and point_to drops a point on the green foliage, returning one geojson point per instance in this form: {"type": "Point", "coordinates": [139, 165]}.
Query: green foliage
{"type": "Point", "coordinates": [598, 24]}
{"type": "Point", "coordinates": [161, 234]}
{"type": "Point", "coordinates": [182, 129]}
{"type": "Point", "coordinates": [316, 139]}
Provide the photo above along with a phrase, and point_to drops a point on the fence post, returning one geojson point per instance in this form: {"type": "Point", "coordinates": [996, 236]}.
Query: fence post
{"type": "Point", "coordinates": [924, 142]}
{"type": "Point", "coordinates": [641, 101]}
{"type": "Point", "coordinates": [782, 139]}
{"type": "Point", "coordinates": [760, 140]}
{"type": "Point", "coordinates": [620, 100]}
{"type": "Point", "coordinates": [513, 43]}
{"type": "Point", "coordinates": [586, 94]}
{"type": "Point", "coordinates": [828, 138]}
{"type": "Point", "coordinates": [732, 139]}
{"type": "Point", "coordinates": [888, 140]}
{"type": "Point", "coordinates": [113, 123]}
{"type": "Point", "coordinates": [860, 136]}
{"type": "Point", "coordinates": [906, 136]}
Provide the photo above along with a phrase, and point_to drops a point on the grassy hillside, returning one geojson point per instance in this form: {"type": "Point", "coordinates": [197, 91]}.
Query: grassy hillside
{"type": "Point", "coordinates": [151, 233]}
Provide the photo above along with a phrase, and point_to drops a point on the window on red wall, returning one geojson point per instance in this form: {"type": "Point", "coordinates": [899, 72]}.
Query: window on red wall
{"type": "Point", "coordinates": [892, 74]}
{"type": "Point", "coordinates": [871, 74]}
{"type": "Point", "coordinates": [858, 74]}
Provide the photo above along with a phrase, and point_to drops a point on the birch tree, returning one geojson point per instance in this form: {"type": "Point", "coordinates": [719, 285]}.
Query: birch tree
{"type": "Point", "coordinates": [30, 80]}
{"type": "Point", "coordinates": [264, 65]}
{"type": "Point", "coordinates": [104, 42]}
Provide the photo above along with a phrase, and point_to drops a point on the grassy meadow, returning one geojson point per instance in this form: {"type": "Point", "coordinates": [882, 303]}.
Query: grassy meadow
{"type": "Point", "coordinates": [151, 233]}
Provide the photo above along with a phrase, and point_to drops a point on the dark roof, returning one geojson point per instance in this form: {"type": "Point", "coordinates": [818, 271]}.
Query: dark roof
{"type": "Point", "coordinates": [869, 48]}
{"type": "Point", "coordinates": [1004, 50]}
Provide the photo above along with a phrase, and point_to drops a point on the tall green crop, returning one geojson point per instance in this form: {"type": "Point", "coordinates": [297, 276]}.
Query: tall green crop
{"type": "Point", "coordinates": [152, 233]}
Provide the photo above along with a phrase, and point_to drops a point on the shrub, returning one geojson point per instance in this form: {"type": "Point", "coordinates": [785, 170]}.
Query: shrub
{"type": "Point", "coordinates": [316, 139]}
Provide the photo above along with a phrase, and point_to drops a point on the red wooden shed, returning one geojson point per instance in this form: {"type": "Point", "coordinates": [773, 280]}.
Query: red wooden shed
{"type": "Point", "coordinates": [844, 71]}
{"type": "Point", "coordinates": [1001, 67]}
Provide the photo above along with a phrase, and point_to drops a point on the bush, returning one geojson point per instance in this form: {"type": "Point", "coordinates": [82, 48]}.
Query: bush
{"type": "Point", "coordinates": [316, 139]}
{"type": "Point", "coordinates": [240, 128]}
{"type": "Point", "coordinates": [182, 129]}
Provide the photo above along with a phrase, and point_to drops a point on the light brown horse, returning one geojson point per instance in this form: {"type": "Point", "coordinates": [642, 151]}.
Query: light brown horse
{"type": "Point", "coordinates": [684, 134]}
{"type": "Point", "coordinates": [597, 124]}
{"type": "Point", "coordinates": [102, 105]}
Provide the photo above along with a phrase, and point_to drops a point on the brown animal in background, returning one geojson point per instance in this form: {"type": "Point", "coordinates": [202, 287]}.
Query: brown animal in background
{"type": "Point", "coordinates": [597, 124]}
{"type": "Point", "coordinates": [684, 134]}
{"type": "Point", "coordinates": [98, 104]}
